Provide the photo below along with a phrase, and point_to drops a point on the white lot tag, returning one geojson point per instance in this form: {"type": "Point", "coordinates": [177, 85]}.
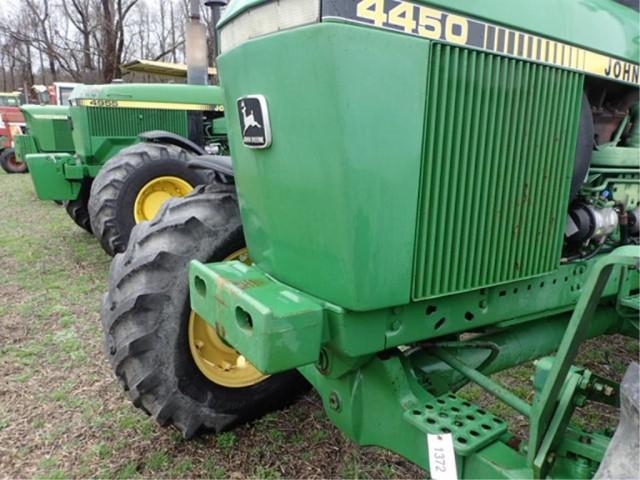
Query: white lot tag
{"type": "Point", "coordinates": [442, 457]}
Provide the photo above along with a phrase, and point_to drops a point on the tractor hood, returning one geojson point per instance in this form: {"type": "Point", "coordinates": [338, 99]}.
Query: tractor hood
{"type": "Point", "coordinates": [112, 94]}
{"type": "Point", "coordinates": [605, 26]}
{"type": "Point", "coordinates": [44, 112]}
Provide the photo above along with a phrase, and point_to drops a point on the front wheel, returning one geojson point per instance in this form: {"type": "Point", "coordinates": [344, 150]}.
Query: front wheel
{"type": "Point", "coordinates": [10, 164]}
{"type": "Point", "coordinates": [133, 185]}
{"type": "Point", "coordinates": [77, 209]}
{"type": "Point", "coordinates": [172, 364]}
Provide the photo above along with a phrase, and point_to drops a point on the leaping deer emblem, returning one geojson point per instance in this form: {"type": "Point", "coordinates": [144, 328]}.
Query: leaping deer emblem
{"type": "Point", "coordinates": [249, 120]}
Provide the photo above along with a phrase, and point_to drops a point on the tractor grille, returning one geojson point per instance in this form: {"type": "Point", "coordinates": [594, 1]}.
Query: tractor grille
{"type": "Point", "coordinates": [498, 157]}
{"type": "Point", "coordinates": [25, 145]}
{"type": "Point", "coordinates": [127, 122]}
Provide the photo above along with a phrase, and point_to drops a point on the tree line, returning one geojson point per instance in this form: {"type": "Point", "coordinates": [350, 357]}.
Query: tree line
{"type": "Point", "coordinates": [86, 41]}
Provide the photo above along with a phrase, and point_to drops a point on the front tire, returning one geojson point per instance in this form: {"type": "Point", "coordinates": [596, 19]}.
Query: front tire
{"type": "Point", "coordinates": [10, 164]}
{"type": "Point", "coordinates": [77, 209]}
{"type": "Point", "coordinates": [132, 186]}
{"type": "Point", "coordinates": [146, 315]}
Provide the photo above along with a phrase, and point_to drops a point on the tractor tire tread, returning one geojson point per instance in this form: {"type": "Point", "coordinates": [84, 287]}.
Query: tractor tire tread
{"type": "Point", "coordinates": [77, 209]}
{"type": "Point", "coordinates": [105, 192]}
{"type": "Point", "coordinates": [6, 165]}
{"type": "Point", "coordinates": [148, 287]}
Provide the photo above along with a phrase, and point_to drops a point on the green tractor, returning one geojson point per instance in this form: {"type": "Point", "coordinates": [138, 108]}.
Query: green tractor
{"type": "Point", "coordinates": [47, 131]}
{"type": "Point", "coordinates": [128, 157]}
{"type": "Point", "coordinates": [430, 192]}
{"type": "Point", "coordinates": [131, 143]}
{"type": "Point", "coordinates": [45, 127]}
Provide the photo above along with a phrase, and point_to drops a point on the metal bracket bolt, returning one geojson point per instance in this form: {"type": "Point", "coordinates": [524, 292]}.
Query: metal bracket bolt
{"type": "Point", "coordinates": [334, 401]}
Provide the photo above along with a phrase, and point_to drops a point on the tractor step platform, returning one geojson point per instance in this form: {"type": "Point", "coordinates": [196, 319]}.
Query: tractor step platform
{"type": "Point", "coordinates": [472, 426]}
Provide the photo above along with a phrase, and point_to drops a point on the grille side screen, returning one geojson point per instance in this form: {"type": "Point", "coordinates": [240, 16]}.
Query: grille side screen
{"type": "Point", "coordinates": [498, 157]}
{"type": "Point", "coordinates": [127, 122]}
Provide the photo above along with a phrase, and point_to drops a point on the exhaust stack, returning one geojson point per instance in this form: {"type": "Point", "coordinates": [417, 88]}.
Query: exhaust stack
{"type": "Point", "coordinates": [196, 47]}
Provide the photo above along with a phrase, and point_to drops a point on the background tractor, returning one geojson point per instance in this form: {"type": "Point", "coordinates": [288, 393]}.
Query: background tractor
{"type": "Point", "coordinates": [47, 128]}
{"type": "Point", "coordinates": [472, 206]}
{"type": "Point", "coordinates": [11, 121]}
{"type": "Point", "coordinates": [57, 93]}
{"type": "Point", "coordinates": [18, 143]}
{"type": "Point", "coordinates": [47, 131]}
{"type": "Point", "coordinates": [131, 142]}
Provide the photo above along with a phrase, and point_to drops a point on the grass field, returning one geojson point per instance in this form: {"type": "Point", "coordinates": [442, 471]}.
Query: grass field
{"type": "Point", "coordinates": [63, 415]}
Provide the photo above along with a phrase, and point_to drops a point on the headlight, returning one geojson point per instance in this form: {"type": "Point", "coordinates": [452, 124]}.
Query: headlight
{"type": "Point", "coordinates": [272, 17]}
{"type": "Point", "coordinates": [2, 125]}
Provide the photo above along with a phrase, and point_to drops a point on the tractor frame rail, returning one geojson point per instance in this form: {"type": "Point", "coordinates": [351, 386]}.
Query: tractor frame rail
{"type": "Point", "coordinates": [386, 379]}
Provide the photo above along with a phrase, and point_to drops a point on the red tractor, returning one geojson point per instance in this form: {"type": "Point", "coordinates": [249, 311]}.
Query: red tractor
{"type": "Point", "coordinates": [11, 123]}
{"type": "Point", "coordinates": [56, 94]}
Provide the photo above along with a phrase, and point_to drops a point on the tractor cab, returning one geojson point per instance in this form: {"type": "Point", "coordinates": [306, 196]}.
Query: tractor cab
{"type": "Point", "coordinates": [57, 93]}
{"type": "Point", "coordinates": [10, 99]}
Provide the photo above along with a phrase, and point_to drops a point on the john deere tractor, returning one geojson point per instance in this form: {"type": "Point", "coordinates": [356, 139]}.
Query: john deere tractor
{"type": "Point", "coordinates": [39, 128]}
{"type": "Point", "coordinates": [47, 127]}
{"type": "Point", "coordinates": [130, 183]}
{"type": "Point", "coordinates": [430, 192]}
{"type": "Point", "coordinates": [47, 130]}
{"type": "Point", "coordinates": [131, 142]}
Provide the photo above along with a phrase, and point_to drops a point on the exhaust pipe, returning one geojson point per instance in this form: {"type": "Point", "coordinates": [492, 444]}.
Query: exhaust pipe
{"type": "Point", "coordinates": [196, 42]}
{"type": "Point", "coordinates": [198, 59]}
{"type": "Point", "coordinates": [197, 66]}
{"type": "Point", "coordinates": [216, 9]}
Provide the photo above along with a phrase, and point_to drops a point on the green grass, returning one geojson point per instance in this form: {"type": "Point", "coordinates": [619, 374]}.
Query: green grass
{"type": "Point", "coordinates": [226, 441]}
{"type": "Point", "coordinates": [158, 461]}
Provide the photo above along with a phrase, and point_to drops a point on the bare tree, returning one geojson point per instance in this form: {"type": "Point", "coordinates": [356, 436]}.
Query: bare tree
{"type": "Point", "coordinates": [86, 40]}
{"type": "Point", "coordinates": [114, 14]}
{"type": "Point", "coordinates": [79, 14]}
{"type": "Point", "coordinates": [40, 13]}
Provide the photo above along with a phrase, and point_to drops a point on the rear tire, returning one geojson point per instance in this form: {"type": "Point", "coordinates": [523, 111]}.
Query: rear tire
{"type": "Point", "coordinates": [145, 317]}
{"type": "Point", "coordinates": [9, 162]}
{"type": "Point", "coordinates": [116, 188]}
{"type": "Point", "coordinates": [77, 209]}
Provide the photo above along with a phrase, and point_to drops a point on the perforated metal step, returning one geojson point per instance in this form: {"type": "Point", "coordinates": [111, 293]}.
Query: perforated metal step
{"type": "Point", "coordinates": [472, 427]}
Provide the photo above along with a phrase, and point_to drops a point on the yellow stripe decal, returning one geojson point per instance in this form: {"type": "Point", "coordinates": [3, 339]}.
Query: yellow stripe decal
{"type": "Point", "coordinates": [446, 27]}
{"type": "Point", "coordinates": [105, 103]}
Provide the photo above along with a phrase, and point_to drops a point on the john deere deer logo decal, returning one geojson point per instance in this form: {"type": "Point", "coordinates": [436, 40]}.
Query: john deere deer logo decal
{"type": "Point", "coordinates": [248, 120]}
{"type": "Point", "coordinates": [254, 121]}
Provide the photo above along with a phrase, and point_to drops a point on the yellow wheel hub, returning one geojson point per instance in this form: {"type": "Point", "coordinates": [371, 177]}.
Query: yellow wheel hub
{"type": "Point", "coordinates": [153, 195]}
{"type": "Point", "coordinates": [218, 361]}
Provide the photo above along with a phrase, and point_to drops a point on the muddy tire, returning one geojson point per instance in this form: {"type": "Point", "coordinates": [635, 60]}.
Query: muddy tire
{"type": "Point", "coordinates": [145, 317]}
{"type": "Point", "coordinates": [116, 188]}
{"type": "Point", "coordinates": [10, 164]}
{"type": "Point", "coordinates": [77, 209]}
